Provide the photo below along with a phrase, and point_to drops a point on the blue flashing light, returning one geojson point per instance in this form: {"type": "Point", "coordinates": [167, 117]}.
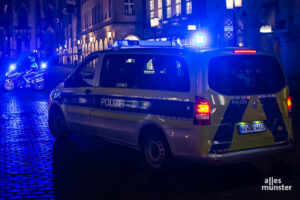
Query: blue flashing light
{"type": "Point", "coordinates": [199, 39]}
{"type": "Point", "coordinates": [12, 67]}
{"type": "Point", "coordinates": [144, 43]}
{"type": "Point", "coordinates": [43, 65]}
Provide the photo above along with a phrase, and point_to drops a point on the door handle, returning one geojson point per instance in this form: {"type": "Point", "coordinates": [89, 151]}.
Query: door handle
{"type": "Point", "coordinates": [88, 91]}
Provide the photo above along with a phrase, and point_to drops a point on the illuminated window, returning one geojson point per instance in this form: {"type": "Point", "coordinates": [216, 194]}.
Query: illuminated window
{"type": "Point", "coordinates": [178, 7]}
{"type": "Point", "coordinates": [151, 9]}
{"type": "Point", "coordinates": [169, 8]}
{"type": "Point", "coordinates": [169, 2]}
{"type": "Point", "coordinates": [129, 7]}
{"type": "Point", "coordinates": [160, 12]}
{"type": "Point", "coordinates": [189, 7]}
{"type": "Point", "coordinates": [151, 4]}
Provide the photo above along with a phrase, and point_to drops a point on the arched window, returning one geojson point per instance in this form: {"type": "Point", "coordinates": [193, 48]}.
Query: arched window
{"type": "Point", "coordinates": [100, 45]}
{"type": "Point", "coordinates": [96, 45]}
{"type": "Point", "coordinates": [22, 17]}
{"type": "Point", "coordinates": [132, 37]}
{"type": "Point", "coordinates": [105, 44]}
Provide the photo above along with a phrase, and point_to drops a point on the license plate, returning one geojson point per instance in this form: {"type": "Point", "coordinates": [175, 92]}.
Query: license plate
{"type": "Point", "coordinates": [255, 127]}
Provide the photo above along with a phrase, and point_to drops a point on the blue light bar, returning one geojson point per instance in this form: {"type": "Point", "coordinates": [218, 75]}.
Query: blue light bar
{"type": "Point", "coordinates": [143, 43]}
{"type": "Point", "coordinates": [199, 39]}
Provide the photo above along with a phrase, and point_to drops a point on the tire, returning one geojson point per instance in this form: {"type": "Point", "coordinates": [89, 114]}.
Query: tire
{"type": "Point", "coordinates": [57, 124]}
{"type": "Point", "coordinates": [156, 152]}
{"type": "Point", "coordinates": [9, 84]}
{"type": "Point", "coordinates": [39, 85]}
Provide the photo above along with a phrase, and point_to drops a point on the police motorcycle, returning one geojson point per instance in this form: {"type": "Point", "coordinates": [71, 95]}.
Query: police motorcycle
{"type": "Point", "coordinates": [32, 77]}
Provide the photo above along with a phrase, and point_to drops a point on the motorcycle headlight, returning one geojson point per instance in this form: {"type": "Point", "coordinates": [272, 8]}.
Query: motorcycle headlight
{"type": "Point", "coordinates": [43, 65]}
{"type": "Point", "coordinates": [12, 67]}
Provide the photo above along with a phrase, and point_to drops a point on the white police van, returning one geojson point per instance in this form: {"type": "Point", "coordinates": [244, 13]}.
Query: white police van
{"type": "Point", "coordinates": [222, 106]}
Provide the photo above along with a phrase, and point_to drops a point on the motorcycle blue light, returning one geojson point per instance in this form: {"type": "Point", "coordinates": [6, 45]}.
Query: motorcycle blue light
{"type": "Point", "coordinates": [12, 67]}
{"type": "Point", "coordinates": [44, 65]}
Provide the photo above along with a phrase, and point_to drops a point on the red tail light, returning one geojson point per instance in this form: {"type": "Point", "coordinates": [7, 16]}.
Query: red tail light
{"type": "Point", "coordinates": [245, 51]}
{"type": "Point", "coordinates": [289, 104]}
{"type": "Point", "coordinates": [201, 111]}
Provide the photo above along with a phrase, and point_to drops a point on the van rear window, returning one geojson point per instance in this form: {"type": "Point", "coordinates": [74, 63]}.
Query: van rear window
{"type": "Point", "coordinates": [245, 75]}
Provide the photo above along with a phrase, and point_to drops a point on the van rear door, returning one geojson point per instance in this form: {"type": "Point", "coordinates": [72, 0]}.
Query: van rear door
{"type": "Point", "coordinates": [249, 105]}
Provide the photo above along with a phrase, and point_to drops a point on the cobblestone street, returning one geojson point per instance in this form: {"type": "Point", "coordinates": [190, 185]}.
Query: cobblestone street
{"type": "Point", "coordinates": [33, 165]}
{"type": "Point", "coordinates": [26, 147]}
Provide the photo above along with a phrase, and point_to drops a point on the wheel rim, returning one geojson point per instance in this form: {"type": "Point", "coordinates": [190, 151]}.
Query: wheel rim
{"type": "Point", "coordinates": [155, 153]}
{"type": "Point", "coordinates": [9, 85]}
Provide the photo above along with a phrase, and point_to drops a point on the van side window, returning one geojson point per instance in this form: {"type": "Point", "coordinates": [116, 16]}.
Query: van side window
{"type": "Point", "coordinates": [164, 73]}
{"type": "Point", "coordinates": [144, 71]}
{"type": "Point", "coordinates": [119, 71]}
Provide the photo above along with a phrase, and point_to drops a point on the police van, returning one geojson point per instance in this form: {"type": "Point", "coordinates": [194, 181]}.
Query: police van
{"type": "Point", "coordinates": [221, 106]}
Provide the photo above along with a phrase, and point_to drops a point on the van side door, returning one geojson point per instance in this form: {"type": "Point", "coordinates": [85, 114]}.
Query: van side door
{"type": "Point", "coordinates": [134, 88]}
{"type": "Point", "coordinates": [111, 118]}
{"type": "Point", "coordinates": [78, 94]}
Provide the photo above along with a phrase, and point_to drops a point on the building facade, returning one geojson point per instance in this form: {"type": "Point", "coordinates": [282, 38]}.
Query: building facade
{"type": "Point", "coordinates": [69, 47]}
{"type": "Point", "coordinates": [28, 26]}
{"type": "Point", "coordinates": [104, 21]}
{"type": "Point", "coordinates": [169, 19]}
{"type": "Point", "coordinates": [272, 25]}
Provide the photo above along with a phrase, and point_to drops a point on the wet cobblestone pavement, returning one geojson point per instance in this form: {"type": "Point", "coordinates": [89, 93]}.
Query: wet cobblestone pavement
{"type": "Point", "coordinates": [33, 165]}
{"type": "Point", "coordinates": [25, 146]}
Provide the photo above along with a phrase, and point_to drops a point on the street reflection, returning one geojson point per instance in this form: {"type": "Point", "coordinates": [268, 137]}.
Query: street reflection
{"type": "Point", "coordinates": [25, 145]}
{"type": "Point", "coordinates": [88, 168]}
{"type": "Point", "coordinates": [36, 166]}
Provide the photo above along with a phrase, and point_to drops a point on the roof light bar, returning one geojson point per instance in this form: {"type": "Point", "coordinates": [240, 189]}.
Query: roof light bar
{"type": "Point", "coordinates": [144, 43]}
{"type": "Point", "coordinates": [245, 51]}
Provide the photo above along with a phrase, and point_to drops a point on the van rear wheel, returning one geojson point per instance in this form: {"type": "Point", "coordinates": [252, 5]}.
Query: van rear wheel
{"type": "Point", "coordinates": [156, 152]}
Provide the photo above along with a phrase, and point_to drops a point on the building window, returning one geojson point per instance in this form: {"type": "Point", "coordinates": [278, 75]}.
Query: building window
{"type": "Point", "coordinates": [189, 7]}
{"type": "Point", "coordinates": [129, 7]}
{"type": "Point", "coordinates": [160, 12]}
{"type": "Point", "coordinates": [93, 16]}
{"type": "Point", "coordinates": [23, 17]}
{"type": "Point", "coordinates": [169, 8]}
{"type": "Point", "coordinates": [151, 9]}
{"type": "Point", "coordinates": [99, 13]}
{"type": "Point", "coordinates": [105, 9]}
{"type": "Point", "coordinates": [178, 7]}
{"type": "Point", "coordinates": [109, 8]}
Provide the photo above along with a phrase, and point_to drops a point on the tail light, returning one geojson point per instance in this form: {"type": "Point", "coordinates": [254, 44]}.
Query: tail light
{"type": "Point", "coordinates": [289, 104]}
{"type": "Point", "coordinates": [245, 51]}
{"type": "Point", "coordinates": [201, 111]}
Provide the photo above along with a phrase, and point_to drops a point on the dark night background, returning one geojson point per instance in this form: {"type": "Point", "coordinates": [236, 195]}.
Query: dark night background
{"type": "Point", "coordinates": [33, 165]}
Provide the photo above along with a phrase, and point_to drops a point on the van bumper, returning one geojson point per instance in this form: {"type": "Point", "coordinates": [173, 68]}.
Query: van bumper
{"type": "Point", "coordinates": [246, 155]}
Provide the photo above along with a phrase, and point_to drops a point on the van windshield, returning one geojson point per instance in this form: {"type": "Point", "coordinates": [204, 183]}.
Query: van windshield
{"type": "Point", "coordinates": [245, 75]}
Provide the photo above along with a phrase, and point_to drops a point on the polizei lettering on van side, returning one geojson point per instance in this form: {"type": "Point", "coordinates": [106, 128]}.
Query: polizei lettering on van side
{"type": "Point", "coordinates": [115, 103]}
